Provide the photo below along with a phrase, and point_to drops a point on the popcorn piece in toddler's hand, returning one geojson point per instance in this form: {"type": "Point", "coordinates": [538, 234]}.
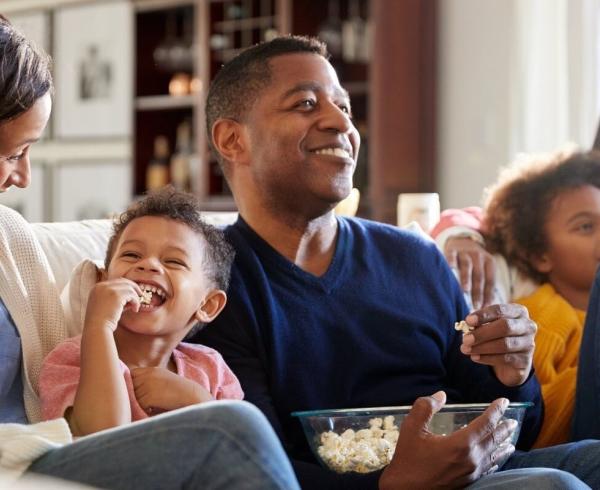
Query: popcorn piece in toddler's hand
{"type": "Point", "coordinates": [464, 326]}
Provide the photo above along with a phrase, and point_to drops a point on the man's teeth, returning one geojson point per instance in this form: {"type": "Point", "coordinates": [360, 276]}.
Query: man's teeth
{"type": "Point", "coordinates": [337, 152]}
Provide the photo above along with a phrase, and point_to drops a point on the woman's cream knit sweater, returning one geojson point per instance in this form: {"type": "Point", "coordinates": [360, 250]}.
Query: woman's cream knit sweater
{"type": "Point", "coordinates": [28, 290]}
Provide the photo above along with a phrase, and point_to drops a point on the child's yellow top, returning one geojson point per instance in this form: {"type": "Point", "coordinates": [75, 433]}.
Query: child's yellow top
{"type": "Point", "coordinates": [557, 342]}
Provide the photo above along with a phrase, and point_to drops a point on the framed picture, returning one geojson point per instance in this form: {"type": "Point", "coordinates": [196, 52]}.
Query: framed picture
{"type": "Point", "coordinates": [93, 70]}
{"type": "Point", "coordinates": [31, 201]}
{"type": "Point", "coordinates": [90, 190]}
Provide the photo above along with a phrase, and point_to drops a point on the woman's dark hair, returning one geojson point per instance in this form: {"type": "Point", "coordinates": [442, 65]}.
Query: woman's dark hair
{"type": "Point", "coordinates": [24, 72]}
{"type": "Point", "coordinates": [518, 204]}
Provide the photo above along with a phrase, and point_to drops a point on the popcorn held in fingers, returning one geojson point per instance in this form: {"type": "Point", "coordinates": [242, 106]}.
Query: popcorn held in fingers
{"type": "Point", "coordinates": [464, 326]}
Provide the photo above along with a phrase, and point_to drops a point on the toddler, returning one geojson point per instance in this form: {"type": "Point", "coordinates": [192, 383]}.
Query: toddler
{"type": "Point", "coordinates": [165, 275]}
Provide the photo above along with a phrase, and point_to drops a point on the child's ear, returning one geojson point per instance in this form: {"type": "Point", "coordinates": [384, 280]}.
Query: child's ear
{"type": "Point", "coordinates": [212, 305]}
{"type": "Point", "coordinates": [542, 264]}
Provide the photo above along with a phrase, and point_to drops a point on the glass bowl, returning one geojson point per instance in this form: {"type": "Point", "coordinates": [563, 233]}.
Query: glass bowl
{"type": "Point", "coordinates": [364, 439]}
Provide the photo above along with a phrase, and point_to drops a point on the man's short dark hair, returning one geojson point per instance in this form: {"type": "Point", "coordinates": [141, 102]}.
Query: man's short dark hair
{"type": "Point", "coordinates": [183, 207]}
{"type": "Point", "coordinates": [240, 81]}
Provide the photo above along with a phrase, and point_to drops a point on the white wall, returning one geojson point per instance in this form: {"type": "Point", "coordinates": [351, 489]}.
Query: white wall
{"type": "Point", "coordinates": [501, 86]}
{"type": "Point", "coordinates": [474, 93]}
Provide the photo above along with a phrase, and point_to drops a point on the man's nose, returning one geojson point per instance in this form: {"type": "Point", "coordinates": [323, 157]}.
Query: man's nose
{"type": "Point", "coordinates": [335, 118]}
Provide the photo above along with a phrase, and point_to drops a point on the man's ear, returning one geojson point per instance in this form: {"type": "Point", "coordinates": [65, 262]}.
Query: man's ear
{"type": "Point", "coordinates": [212, 305]}
{"type": "Point", "coordinates": [229, 141]}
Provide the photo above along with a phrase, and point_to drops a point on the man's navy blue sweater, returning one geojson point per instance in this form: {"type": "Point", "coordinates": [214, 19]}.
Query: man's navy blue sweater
{"type": "Point", "coordinates": [376, 329]}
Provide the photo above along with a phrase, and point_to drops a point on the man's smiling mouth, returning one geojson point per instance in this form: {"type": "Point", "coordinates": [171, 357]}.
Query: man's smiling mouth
{"type": "Point", "coordinates": [334, 151]}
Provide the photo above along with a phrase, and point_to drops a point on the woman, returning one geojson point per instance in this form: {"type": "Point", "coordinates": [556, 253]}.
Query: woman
{"type": "Point", "coordinates": [224, 445]}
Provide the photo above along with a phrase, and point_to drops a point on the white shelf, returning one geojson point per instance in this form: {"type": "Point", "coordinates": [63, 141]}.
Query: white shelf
{"type": "Point", "coordinates": [247, 23]}
{"type": "Point", "coordinates": [164, 102]}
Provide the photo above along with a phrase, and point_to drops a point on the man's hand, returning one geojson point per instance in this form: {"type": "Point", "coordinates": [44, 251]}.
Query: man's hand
{"type": "Point", "coordinates": [159, 388]}
{"type": "Point", "coordinates": [476, 269]}
{"type": "Point", "coordinates": [504, 339]}
{"type": "Point", "coordinates": [425, 460]}
{"type": "Point", "coordinates": [108, 299]}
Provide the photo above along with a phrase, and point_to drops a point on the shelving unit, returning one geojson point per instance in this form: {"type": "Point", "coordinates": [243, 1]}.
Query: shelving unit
{"type": "Point", "coordinates": [393, 88]}
{"type": "Point", "coordinates": [219, 30]}
{"type": "Point", "coordinates": [327, 20]}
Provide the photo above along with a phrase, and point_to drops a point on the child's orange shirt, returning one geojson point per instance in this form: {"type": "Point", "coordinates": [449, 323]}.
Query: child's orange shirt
{"type": "Point", "coordinates": [557, 343]}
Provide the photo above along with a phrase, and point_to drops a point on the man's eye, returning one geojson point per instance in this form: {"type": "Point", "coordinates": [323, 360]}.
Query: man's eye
{"type": "Point", "coordinates": [306, 104]}
{"type": "Point", "coordinates": [346, 109]}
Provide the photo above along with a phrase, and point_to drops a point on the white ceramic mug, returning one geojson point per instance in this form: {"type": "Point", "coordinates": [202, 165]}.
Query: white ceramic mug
{"type": "Point", "coordinates": [422, 207]}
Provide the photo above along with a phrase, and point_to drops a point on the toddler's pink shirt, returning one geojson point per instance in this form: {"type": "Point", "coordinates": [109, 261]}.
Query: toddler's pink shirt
{"type": "Point", "coordinates": [60, 376]}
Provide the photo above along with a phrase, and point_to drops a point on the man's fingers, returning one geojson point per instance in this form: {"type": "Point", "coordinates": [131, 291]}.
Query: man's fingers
{"type": "Point", "coordinates": [521, 361]}
{"type": "Point", "coordinates": [495, 312]}
{"type": "Point", "coordinates": [502, 345]}
{"type": "Point", "coordinates": [483, 427]}
{"type": "Point", "coordinates": [422, 410]}
{"type": "Point", "coordinates": [516, 335]}
{"type": "Point", "coordinates": [500, 446]}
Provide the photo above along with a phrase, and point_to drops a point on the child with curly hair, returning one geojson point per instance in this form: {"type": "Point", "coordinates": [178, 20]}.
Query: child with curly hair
{"type": "Point", "coordinates": [542, 217]}
{"type": "Point", "coordinates": [166, 272]}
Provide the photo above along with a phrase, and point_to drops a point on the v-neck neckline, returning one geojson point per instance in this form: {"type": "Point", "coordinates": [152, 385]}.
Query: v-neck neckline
{"type": "Point", "coordinates": [327, 281]}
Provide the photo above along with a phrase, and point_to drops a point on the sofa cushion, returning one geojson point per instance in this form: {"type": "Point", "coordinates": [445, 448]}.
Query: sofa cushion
{"type": "Point", "coordinates": [67, 244]}
{"type": "Point", "coordinates": [74, 250]}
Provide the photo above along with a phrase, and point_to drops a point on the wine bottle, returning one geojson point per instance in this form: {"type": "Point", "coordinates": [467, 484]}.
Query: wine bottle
{"type": "Point", "coordinates": [180, 160]}
{"type": "Point", "coordinates": [157, 173]}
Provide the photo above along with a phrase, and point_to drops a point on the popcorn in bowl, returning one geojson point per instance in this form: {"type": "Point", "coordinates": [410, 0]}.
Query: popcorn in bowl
{"type": "Point", "coordinates": [360, 451]}
{"type": "Point", "coordinates": [364, 439]}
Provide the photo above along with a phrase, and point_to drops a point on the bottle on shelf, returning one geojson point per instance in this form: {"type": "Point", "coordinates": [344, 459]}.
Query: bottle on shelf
{"type": "Point", "coordinates": [181, 160]}
{"type": "Point", "coordinates": [354, 34]}
{"type": "Point", "coordinates": [157, 173]}
{"type": "Point", "coordinates": [330, 31]}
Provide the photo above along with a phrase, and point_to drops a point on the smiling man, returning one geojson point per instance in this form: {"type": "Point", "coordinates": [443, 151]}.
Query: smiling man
{"type": "Point", "coordinates": [330, 312]}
